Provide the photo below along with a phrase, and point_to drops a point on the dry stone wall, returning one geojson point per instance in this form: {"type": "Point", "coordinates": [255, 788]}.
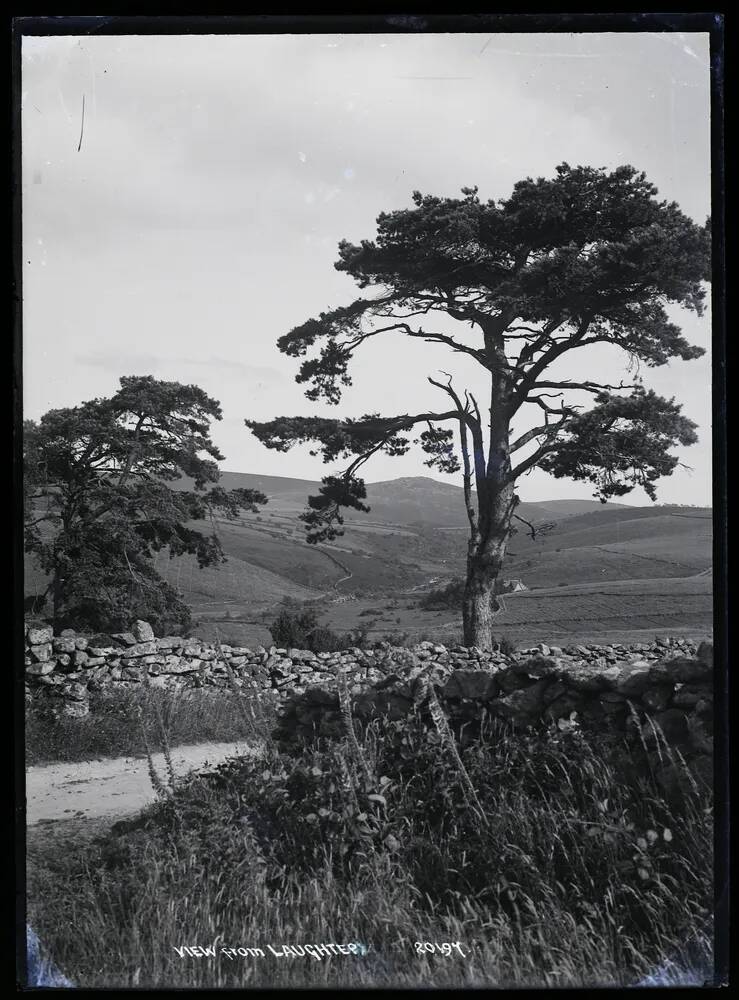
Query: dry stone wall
{"type": "Point", "coordinates": [670, 680]}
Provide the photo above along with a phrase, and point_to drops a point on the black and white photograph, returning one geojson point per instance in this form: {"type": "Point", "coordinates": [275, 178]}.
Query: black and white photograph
{"type": "Point", "coordinates": [368, 556]}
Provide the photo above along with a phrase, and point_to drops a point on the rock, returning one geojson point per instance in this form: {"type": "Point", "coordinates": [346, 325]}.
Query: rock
{"type": "Point", "coordinates": [74, 691]}
{"type": "Point", "coordinates": [174, 664]}
{"type": "Point", "coordinates": [80, 642]}
{"type": "Point", "coordinates": [528, 702]}
{"type": "Point", "coordinates": [64, 644]}
{"type": "Point", "coordinates": [104, 640]}
{"type": "Point", "coordinates": [124, 638]}
{"type": "Point", "coordinates": [143, 631]}
{"type": "Point", "coordinates": [141, 649]}
{"type": "Point", "coordinates": [40, 669]}
{"type": "Point", "coordinates": [585, 677]}
{"type": "Point", "coordinates": [610, 676]}
{"type": "Point", "coordinates": [80, 658]}
{"type": "Point", "coordinates": [41, 653]}
{"type": "Point", "coordinates": [67, 633]}
{"type": "Point", "coordinates": [40, 635]}
{"type": "Point", "coordinates": [50, 680]}
{"type": "Point", "coordinates": [633, 678]}
{"type": "Point", "coordinates": [538, 666]}
{"type": "Point", "coordinates": [478, 684]}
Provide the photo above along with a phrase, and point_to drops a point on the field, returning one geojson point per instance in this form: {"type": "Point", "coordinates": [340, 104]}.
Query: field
{"type": "Point", "coordinates": [623, 611]}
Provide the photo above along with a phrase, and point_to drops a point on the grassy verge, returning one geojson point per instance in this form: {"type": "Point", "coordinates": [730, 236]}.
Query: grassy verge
{"type": "Point", "coordinates": [120, 724]}
{"type": "Point", "coordinates": [552, 859]}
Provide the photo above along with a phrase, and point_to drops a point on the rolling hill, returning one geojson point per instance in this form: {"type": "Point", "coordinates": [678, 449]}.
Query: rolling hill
{"type": "Point", "coordinates": [414, 538]}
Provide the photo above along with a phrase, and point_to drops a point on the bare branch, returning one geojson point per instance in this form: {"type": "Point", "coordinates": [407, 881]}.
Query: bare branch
{"type": "Point", "coordinates": [548, 445]}
{"type": "Point", "coordinates": [584, 386]}
{"type": "Point", "coordinates": [532, 529]}
{"type": "Point", "coordinates": [530, 435]}
{"type": "Point", "coordinates": [464, 416]}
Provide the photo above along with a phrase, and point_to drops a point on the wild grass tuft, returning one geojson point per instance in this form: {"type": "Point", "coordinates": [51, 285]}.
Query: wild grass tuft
{"type": "Point", "coordinates": [112, 729]}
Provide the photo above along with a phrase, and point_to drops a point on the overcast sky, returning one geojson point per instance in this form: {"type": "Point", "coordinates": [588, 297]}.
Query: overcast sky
{"type": "Point", "coordinates": [199, 220]}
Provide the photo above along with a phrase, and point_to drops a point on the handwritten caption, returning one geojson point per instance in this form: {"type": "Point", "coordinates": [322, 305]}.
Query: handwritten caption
{"type": "Point", "coordinates": [315, 951]}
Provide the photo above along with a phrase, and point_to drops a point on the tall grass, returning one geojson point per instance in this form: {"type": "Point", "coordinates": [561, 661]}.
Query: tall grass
{"type": "Point", "coordinates": [114, 729]}
{"type": "Point", "coordinates": [569, 868]}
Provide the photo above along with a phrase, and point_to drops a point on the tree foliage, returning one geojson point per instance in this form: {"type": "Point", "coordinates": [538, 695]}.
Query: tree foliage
{"type": "Point", "coordinates": [99, 501]}
{"type": "Point", "coordinates": [586, 257]}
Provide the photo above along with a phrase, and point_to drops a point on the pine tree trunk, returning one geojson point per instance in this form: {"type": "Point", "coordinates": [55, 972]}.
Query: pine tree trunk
{"type": "Point", "coordinates": [479, 605]}
{"type": "Point", "coordinates": [487, 550]}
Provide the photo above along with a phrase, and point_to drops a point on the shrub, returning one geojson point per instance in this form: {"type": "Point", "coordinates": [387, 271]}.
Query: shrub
{"type": "Point", "coordinates": [448, 598]}
{"type": "Point", "coordinates": [301, 630]}
{"type": "Point", "coordinates": [506, 645]}
{"type": "Point", "coordinates": [399, 639]}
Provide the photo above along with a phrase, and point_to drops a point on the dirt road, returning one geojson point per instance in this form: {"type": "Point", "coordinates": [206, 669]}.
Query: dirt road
{"type": "Point", "coordinates": [103, 788]}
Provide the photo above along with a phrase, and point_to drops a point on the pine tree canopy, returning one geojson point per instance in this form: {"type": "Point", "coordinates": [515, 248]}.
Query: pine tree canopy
{"type": "Point", "coordinates": [590, 256]}
{"type": "Point", "coordinates": [99, 504]}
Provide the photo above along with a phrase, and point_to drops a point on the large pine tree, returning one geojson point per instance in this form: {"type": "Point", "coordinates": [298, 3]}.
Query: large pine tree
{"type": "Point", "coordinates": [587, 257]}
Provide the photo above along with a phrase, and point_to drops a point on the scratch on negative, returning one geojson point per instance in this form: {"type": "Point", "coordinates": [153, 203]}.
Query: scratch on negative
{"type": "Point", "coordinates": [82, 124]}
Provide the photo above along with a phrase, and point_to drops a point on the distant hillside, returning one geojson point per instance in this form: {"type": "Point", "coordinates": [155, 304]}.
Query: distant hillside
{"type": "Point", "coordinates": [410, 500]}
{"type": "Point", "coordinates": [414, 538]}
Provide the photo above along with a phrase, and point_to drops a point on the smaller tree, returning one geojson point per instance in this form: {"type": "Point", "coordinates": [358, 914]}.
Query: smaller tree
{"type": "Point", "coordinates": [99, 504]}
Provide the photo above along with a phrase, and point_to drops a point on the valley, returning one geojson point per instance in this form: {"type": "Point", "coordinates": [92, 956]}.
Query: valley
{"type": "Point", "coordinates": [592, 572]}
